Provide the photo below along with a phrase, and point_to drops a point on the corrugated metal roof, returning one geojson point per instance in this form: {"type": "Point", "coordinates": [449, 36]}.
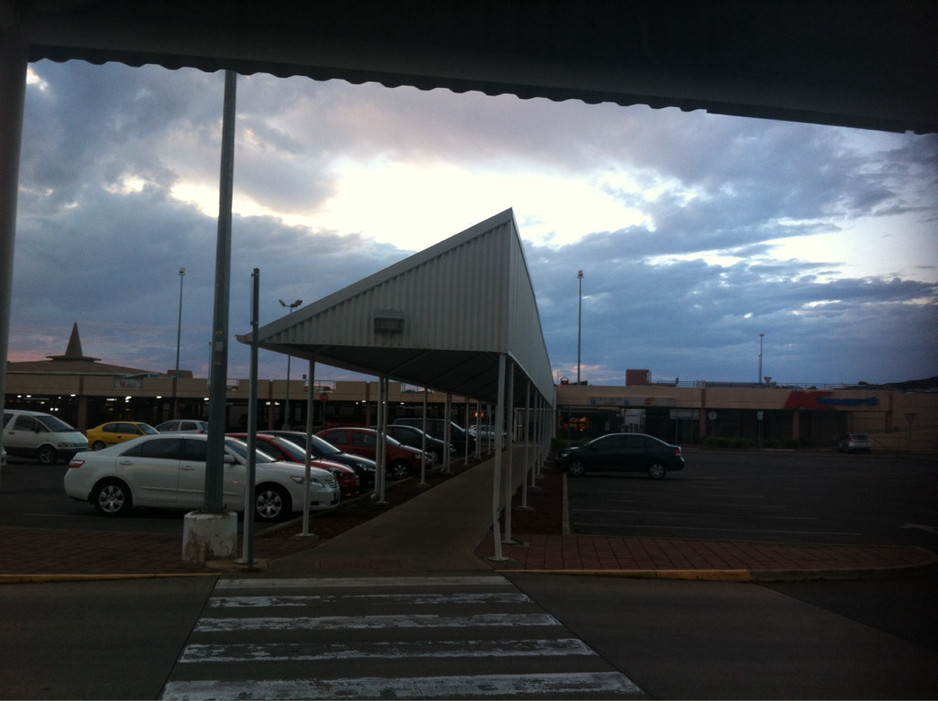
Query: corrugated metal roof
{"type": "Point", "coordinates": [438, 319]}
{"type": "Point", "coordinates": [865, 63]}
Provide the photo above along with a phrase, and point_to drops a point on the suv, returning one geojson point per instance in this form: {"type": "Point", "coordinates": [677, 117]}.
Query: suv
{"type": "Point", "coordinates": [458, 437]}
{"type": "Point", "coordinates": [402, 460]}
{"type": "Point", "coordinates": [33, 434]}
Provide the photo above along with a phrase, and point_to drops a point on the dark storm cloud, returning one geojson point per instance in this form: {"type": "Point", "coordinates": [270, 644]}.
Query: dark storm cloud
{"type": "Point", "coordinates": [94, 249]}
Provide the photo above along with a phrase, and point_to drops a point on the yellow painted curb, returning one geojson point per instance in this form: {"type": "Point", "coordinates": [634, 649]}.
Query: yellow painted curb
{"type": "Point", "coordinates": [692, 575]}
{"type": "Point", "coordinates": [42, 578]}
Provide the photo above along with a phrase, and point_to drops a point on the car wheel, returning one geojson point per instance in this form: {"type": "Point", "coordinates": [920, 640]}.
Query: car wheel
{"type": "Point", "coordinates": [398, 470]}
{"type": "Point", "coordinates": [47, 455]}
{"type": "Point", "coordinates": [432, 457]}
{"type": "Point", "coordinates": [657, 471]}
{"type": "Point", "coordinates": [576, 468]}
{"type": "Point", "coordinates": [98, 445]}
{"type": "Point", "coordinates": [112, 498]}
{"type": "Point", "coordinates": [271, 502]}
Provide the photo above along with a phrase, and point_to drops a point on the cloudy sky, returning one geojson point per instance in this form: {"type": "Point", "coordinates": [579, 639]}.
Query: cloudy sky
{"type": "Point", "coordinates": [695, 233]}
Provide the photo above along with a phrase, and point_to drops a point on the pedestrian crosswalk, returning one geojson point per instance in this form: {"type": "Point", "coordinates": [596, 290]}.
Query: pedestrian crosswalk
{"type": "Point", "coordinates": [456, 637]}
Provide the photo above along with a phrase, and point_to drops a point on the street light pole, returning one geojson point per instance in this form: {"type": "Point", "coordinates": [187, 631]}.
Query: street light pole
{"type": "Point", "coordinates": [182, 275]}
{"type": "Point", "coordinates": [579, 325]}
{"type": "Point", "coordinates": [761, 336]}
{"type": "Point", "coordinates": [286, 413]}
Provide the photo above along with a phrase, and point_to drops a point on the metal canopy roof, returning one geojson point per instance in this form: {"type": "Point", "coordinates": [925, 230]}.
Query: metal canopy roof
{"type": "Point", "coordinates": [864, 63]}
{"type": "Point", "coordinates": [438, 319]}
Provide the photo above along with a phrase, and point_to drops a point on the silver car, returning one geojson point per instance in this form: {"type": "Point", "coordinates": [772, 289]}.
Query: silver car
{"type": "Point", "coordinates": [168, 471]}
{"type": "Point", "coordinates": [854, 443]}
{"type": "Point", "coordinates": [183, 426]}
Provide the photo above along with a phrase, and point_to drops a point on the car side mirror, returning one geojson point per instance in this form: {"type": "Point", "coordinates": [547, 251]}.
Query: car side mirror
{"type": "Point", "coordinates": [228, 459]}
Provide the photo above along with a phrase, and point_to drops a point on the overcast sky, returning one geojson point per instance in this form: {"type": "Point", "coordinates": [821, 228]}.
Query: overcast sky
{"type": "Point", "coordinates": [695, 233]}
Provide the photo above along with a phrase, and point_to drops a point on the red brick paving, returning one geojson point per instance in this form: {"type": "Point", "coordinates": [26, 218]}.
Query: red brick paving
{"type": "Point", "coordinates": [582, 552]}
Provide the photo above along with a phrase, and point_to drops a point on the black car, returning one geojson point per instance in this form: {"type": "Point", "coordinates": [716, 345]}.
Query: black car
{"type": "Point", "coordinates": [414, 437]}
{"type": "Point", "coordinates": [324, 450]}
{"type": "Point", "coordinates": [458, 437]}
{"type": "Point", "coordinates": [622, 452]}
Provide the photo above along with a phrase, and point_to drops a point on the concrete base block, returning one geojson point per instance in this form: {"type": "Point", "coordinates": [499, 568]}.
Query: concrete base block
{"type": "Point", "coordinates": [209, 536]}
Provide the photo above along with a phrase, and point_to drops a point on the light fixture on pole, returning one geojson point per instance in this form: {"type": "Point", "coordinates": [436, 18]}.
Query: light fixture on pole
{"type": "Point", "coordinates": [579, 325]}
{"type": "Point", "coordinates": [761, 336]}
{"type": "Point", "coordinates": [286, 412]}
{"type": "Point", "coordinates": [182, 275]}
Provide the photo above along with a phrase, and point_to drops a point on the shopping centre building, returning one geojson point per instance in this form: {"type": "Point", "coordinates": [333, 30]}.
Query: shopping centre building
{"type": "Point", "coordinates": [85, 392]}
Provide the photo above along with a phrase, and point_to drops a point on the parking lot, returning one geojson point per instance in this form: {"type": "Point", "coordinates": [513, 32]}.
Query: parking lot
{"type": "Point", "coordinates": [767, 496]}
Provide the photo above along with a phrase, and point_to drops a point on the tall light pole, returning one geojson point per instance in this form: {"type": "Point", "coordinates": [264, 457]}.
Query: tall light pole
{"type": "Point", "coordinates": [761, 336]}
{"type": "Point", "coordinates": [182, 275]}
{"type": "Point", "coordinates": [286, 413]}
{"type": "Point", "coordinates": [579, 325]}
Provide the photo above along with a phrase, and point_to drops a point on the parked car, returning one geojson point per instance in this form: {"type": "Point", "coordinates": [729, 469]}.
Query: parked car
{"type": "Point", "coordinates": [117, 432]}
{"type": "Point", "coordinates": [324, 450]}
{"type": "Point", "coordinates": [415, 438]}
{"type": "Point", "coordinates": [33, 434]}
{"type": "Point", "coordinates": [622, 452]}
{"type": "Point", "coordinates": [287, 451]}
{"type": "Point", "coordinates": [435, 427]}
{"type": "Point", "coordinates": [168, 471]}
{"type": "Point", "coordinates": [402, 460]}
{"type": "Point", "coordinates": [485, 433]}
{"type": "Point", "coordinates": [854, 443]}
{"type": "Point", "coordinates": [183, 425]}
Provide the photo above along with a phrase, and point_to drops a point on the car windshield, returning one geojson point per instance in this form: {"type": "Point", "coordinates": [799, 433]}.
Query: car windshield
{"type": "Point", "coordinates": [148, 429]}
{"type": "Point", "coordinates": [289, 447]}
{"type": "Point", "coordinates": [320, 445]}
{"type": "Point", "coordinates": [55, 425]}
{"type": "Point", "coordinates": [241, 450]}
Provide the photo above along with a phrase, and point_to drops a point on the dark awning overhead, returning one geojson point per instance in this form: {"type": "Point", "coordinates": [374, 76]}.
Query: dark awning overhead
{"type": "Point", "coordinates": [438, 319]}
{"type": "Point", "coordinates": [866, 63]}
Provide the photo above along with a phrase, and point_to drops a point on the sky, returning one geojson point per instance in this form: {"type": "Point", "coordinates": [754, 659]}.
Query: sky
{"type": "Point", "coordinates": [703, 239]}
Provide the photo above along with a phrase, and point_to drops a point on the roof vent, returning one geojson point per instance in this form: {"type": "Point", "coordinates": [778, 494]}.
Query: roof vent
{"type": "Point", "coordinates": [389, 321]}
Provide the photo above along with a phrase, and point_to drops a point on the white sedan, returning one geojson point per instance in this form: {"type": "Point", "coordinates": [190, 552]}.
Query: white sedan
{"type": "Point", "coordinates": [168, 471]}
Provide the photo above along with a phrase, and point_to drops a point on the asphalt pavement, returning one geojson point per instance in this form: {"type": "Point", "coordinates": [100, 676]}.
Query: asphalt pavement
{"type": "Point", "coordinates": [446, 530]}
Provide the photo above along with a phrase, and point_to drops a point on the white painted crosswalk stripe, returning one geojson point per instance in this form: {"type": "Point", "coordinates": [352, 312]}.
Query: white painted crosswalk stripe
{"type": "Point", "coordinates": [300, 652]}
{"type": "Point", "coordinates": [562, 685]}
{"type": "Point", "coordinates": [328, 599]}
{"type": "Point", "coordinates": [220, 625]}
{"type": "Point", "coordinates": [395, 637]}
{"type": "Point", "coordinates": [362, 582]}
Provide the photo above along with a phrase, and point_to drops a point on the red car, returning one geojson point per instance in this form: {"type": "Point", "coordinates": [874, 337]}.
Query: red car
{"type": "Point", "coordinates": [287, 451]}
{"type": "Point", "coordinates": [402, 460]}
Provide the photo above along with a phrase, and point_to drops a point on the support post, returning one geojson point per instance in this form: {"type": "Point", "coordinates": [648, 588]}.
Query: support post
{"type": "Point", "coordinates": [497, 474]}
{"type": "Point", "coordinates": [13, 64]}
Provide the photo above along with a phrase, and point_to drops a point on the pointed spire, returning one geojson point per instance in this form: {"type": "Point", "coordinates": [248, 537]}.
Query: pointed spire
{"type": "Point", "coordinates": [73, 351]}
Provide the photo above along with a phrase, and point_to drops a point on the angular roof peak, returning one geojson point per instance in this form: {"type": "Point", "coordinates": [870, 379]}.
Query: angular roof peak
{"type": "Point", "coordinates": [438, 319]}
{"type": "Point", "coordinates": [73, 350]}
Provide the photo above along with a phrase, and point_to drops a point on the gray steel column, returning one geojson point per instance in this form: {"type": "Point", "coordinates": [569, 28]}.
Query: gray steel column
{"type": "Point", "coordinates": [309, 444]}
{"type": "Point", "coordinates": [248, 538]}
{"type": "Point", "coordinates": [497, 474]}
{"type": "Point", "coordinates": [218, 387]}
{"type": "Point", "coordinates": [12, 100]}
{"type": "Point", "coordinates": [509, 476]}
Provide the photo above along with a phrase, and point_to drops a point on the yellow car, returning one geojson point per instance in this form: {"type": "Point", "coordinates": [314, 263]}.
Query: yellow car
{"type": "Point", "coordinates": [116, 432]}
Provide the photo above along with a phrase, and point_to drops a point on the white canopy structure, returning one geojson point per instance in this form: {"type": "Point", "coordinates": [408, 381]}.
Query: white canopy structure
{"type": "Point", "coordinates": [459, 317]}
{"type": "Point", "coordinates": [439, 319]}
